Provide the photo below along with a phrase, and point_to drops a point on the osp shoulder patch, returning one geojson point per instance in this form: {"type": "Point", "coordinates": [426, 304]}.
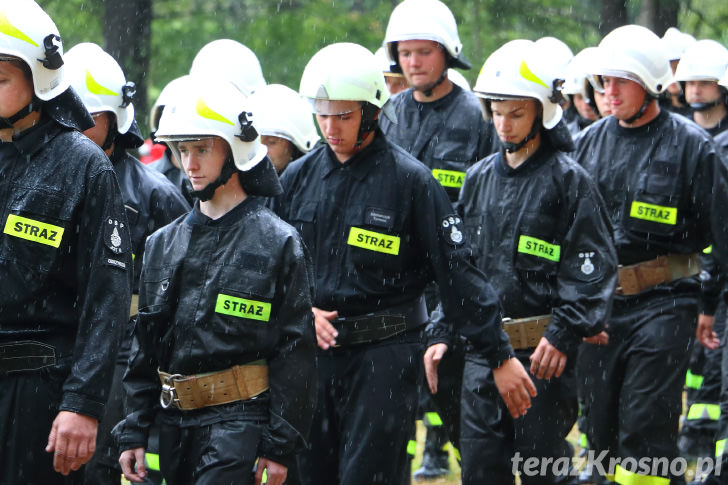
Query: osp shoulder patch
{"type": "Point", "coordinates": [113, 229]}
{"type": "Point", "coordinates": [588, 266]}
{"type": "Point", "coordinates": [452, 230]}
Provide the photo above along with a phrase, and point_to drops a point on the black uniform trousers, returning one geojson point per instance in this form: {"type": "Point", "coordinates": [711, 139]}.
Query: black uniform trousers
{"type": "Point", "coordinates": [490, 437]}
{"type": "Point", "coordinates": [365, 413]}
{"type": "Point", "coordinates": [28, 405]}
{"type": "Point", "coordinates": [633, 385]}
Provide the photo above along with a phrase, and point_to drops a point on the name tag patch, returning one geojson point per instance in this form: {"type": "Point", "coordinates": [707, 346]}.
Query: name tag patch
{"type": "Point", "coordinates": [449, 178]}
{"type": "Point", "coordinates": [373, 241]}
{"type": "Point", "coordinates": [653, 213]}
{"type": "Point", "coordinates": [32, 230]}
{"type": "Point", "coordinates": [242, 308]}
{"type": "Point", "coordinates": [537, 247]}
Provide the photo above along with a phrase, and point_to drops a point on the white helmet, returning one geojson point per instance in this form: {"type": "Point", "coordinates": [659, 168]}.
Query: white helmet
{"type": "Point", "coordinates": [724, 80]}
{"type": "Point", "coordinates": [705, 60]}
{"type": "Point", "coordinates": [636, 53]}
{"type": "Point", "coordinates": [231, 61]}
{"type": "Point", "coordinates": [577, 74]}
{"type": "Point", "coordinates": [98, 79]}
{"type": "Point", "coordinates": [28, 33]}
{"type": "Point", "coordinates": [559, 53]}
{"type": "Point", "coordinates": [521, 69]}
{"type": "Point", "coordinates": [424, 20]}
{"type": "Point", "coordinates": [674, 43]}
{"type": "Point", "coordinates": [213, 108]}
{"type": "Point", "coordinates": [280, 111]}
{"type": "Point", "coordinates": [458, 78]}
{"type": "Point", "coordinates": [174, 88]}
{"type": "Point", "coordinates": [386, 65]}
{"type": "Point", "coordinates": [345, 72]}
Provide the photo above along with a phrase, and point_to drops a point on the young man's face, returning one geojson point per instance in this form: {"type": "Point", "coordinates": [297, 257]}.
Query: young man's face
{"type": "Point", "coordinates": [339, 122]}
{"type": "Point", "coordinates": [395, 84]}
{"type": "Point", "coordinates": [422, 62]}
{"type": "Point", "coordinates": [583, 108]}
{"type": "Point", "coordinates": [280, 151]}
{"type": "Point", "coordinates": [100, 131]}
{"type": "Point", "coordinates": [701, 91]}
{"type": "Point", "coordinates": [16, 90]}
{"type": "Point", "coordinates": [602, 104]}
{"type": "Point", "coordinates": [624, 96]}
{"type": "Point", "coordinates": [203, 160]}
{"type": "Point", "coordinates": [513, 118]}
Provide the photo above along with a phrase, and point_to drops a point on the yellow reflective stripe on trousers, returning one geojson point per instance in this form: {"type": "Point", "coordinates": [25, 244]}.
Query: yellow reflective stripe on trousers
{"type": "Point", "coordinates": [653, 213]}
{"type": "Point", "coordinates": [537, 247]}
{"type": "Point", "coordinates": [719, 447]}
{"type": "Point", "coordinates": [411, 447]}
{"type": "Point", "coordinates": [582, 441]}
{"type": "Point", "coordinates": [449, 178]}
{"type": "Point", "coordinates": [693, 381]}
{"type": "Point", "coordinates": [152, 460]}
{"type": "Point", "coordinates": [373, 241]}
{"type": "Point", "coordinates": [433, 419]}
{"type": "Point", "coordinates": [708, 250]}
{"type": "Point", "coordinates": [625, 477]}
{"type": "Point", "coordinates": [33, 230]}
{"type": "Point", "coordinates": [701, 410]}
{"type": "Point", "coordinates": [242, 308]}
{"type": "Point", "coordinates": [457, 453]}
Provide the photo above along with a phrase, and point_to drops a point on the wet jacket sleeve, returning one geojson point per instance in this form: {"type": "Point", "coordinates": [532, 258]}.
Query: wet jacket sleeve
{"type": "Point", "coordinates": [587, 274]}
{"type": "Point", "coordinates": [468, 300]}
{"type": "Point", "coordinates": [711, 283]}
{"type": "Point", "coordinates": [291, 368]}
{"type": "Point", "coordinates": [104, 278]}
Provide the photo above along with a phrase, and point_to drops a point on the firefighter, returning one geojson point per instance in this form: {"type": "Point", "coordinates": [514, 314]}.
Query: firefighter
{"type": "Point", "coordinates": [67, 262]}
{"type": "Point", "coordinates": [225, 336]}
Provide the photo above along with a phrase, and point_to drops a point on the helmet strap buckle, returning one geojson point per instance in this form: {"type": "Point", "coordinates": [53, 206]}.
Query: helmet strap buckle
{"type": "Point", "coordinates": [128, 91]}
{"type": "Point", "coordinates": [53, 59]}
{"type": "Point", "coordinates": [248, 132]}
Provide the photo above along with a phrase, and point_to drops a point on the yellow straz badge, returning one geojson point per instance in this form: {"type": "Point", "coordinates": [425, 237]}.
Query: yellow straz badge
{"type": "Point", "coordinates": [653, 213]}
{"type": "Point", "coordinates": [240, 307]}
{"type": "Point", "coordinates": [32, 230]}
{"type": "Point", "coordinates": [449, 178]}
{"type": "Point", "coordinates": [373, 241]}
{"type": "Point", "coordinates": [537, 247]}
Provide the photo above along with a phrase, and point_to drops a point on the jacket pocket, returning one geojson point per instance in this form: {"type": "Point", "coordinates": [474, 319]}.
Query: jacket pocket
{"type": "Point", "coordinates": [374, 245]}
{"type": "Point", "coordinates": [655, 205]}
{"type": "Point", "coordinates": [155, 289]}
{"type": "Point", "coordinates": [303, 219]}
{"type": "Point", "coordinates": [537, 250]}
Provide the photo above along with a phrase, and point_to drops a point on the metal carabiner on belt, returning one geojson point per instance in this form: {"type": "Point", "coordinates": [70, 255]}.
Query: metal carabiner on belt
{"type": "Point", "coordinates": [168, 395]}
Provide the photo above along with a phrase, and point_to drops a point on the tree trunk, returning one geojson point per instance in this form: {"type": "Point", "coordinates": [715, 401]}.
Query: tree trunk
{"type": "Point", "coordinates": [127, 37]}
{"type": "Point", "coordinates": [658, 15]}
{"type": "Point", "coordinates": [614, 14]}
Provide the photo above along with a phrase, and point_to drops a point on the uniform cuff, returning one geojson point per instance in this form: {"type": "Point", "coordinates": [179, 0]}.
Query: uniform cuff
{"type": "Point", "coordinates": [80, 404]}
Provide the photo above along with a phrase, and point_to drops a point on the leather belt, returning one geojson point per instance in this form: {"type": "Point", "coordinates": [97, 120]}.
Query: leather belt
{"type": "Point", "coordinates": [134, 306]}
{"type": "Point", "coordinates": [638, 277]}
{"type": "Point", "coordinates": [525, 333]}
{"type": "Point", "coordinates": [373, 327]}
{"type": "Point", "coordinates": [26, 355]}
{"type": "Point", "coordinates": [239, 383]}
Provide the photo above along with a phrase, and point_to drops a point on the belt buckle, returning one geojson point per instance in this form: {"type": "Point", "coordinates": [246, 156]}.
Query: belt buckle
{"type": "Point", "coordinates": [168, 396]}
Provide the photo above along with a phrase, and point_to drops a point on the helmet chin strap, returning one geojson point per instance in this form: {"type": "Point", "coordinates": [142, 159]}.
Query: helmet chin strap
{"type": "Point", "coordinates": [368, 122]}
{"type": "Point", "coordinates": [641, 111]}
{"type": "Point", "coordinates": [706, 106]}
{"type": "Point", "coordinates": [514, 147]}
{"type": "Point", "coordinates": [34, 105]}
{"type": "Point", "coordinates": [227, 171]}
{"type": "Point", "coordinates": [427, 91]}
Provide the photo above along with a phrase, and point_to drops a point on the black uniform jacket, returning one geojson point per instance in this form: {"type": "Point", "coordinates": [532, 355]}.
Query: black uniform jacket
{"type": "Point", "coordinates": [722, 141]}
{"type": "Point", "coordinates": [218, 293]}
{"type": "Point", "coordinates": [151, 202]}
{"type": "Point", "coordinates": [540, 234]}
{"type": "Point", "coordinates": [447, 135]}
{"type": "Point", "coordinates": [65, 257]}
{"type": "Point", "coordinates": [664, 185]}
{"type": "Point", "coordinates": [380, 228]}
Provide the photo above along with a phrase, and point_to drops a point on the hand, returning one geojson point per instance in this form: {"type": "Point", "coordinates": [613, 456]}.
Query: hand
{"type": "Point", "coordinates": [132, 465]}
{"type": "Point", "coordinates": [433, 356]}
{"type": "Point", "coordinates": [325, 332]}
{"type": "Point", "coordinates": [514, 386]}
{"type": "Point", "coordinates": [276, 472]}
{"type": "Point", "coordinates": [602, 338]}
{"type": "Point", "coordinates": [72, 440]}
{"type": "Point", "coordinates": [547, 361]}
{"type": "Point", "coordinates": [705, 333]}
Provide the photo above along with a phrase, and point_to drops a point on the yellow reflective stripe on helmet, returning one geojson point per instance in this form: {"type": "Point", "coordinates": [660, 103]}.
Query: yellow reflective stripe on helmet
{"type": "Point", "coordinates": [412, 447]}
{"type": "Point", "coordinates": [693, 381]}
{"type": "Point", "coordinates": [653, 213]}
{"type": "Point", "coordinates": [95, 88]}
{"type": "Point", "coordinates": [152, 460]}
{"type": "Point", "coordinates": [701, 410]}
{"type": "Point", "coordinates": [449, 178]}
{"type": "Point", "coordinates": [719, 447]}
{"type": "Point", "coordinates": [207, 113]}
{"type": "Point", "coordinates": [537, 247]}
{"type": "Point", "coordinates": [530, 76]}
{"type": "Point", "coordinates": [33, 230]}
{"type": "Point", "coordinates": [625, 477]}
{"type": "Point", "coordinates": [9, 29]}
{"type": "Point", "coordinates": [433, 419]}
{"type": "Point", "coordinates": [708, 250]}
{"type": "Point", "coordinates": [240, 307]}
